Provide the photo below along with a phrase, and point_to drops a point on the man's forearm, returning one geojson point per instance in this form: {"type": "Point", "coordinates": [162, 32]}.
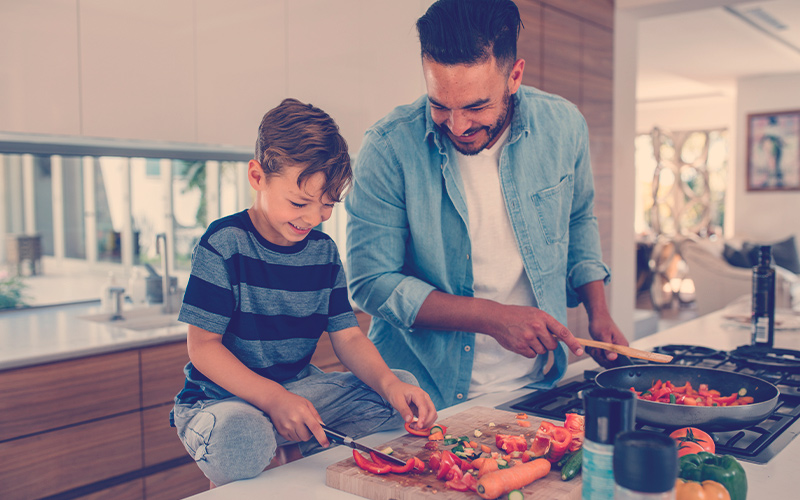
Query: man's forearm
{"type": "Point", "coordinates": [443, 311]}
{"type": "Point", "coordinates": [593, 296]}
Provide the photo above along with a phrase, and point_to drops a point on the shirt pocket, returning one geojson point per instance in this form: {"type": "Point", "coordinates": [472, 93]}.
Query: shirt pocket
{"type": "Point", "coordinates": [553, 206]}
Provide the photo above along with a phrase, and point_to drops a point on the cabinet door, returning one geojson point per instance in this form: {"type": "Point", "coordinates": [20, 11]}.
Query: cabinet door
{"type": "Point", "coordinates": [44, 397]}
{"type": "Point", "coordinates": [161, 443]}
{"type": "Point", "coordinates": [64, 459]}
{"type": "Point", "coordinates": [179, 482]}
{"type": "Point", "coordinates": [137, 69]}
{"type": "Point", "coordinates": [39, 91]}
{"type": "Point", "coordinates": [162, 372]}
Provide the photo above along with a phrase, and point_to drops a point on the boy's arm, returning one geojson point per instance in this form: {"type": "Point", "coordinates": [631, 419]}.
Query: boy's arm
{"type": "Point", "coordinates": [360, 356]}
{"type": "Point", "coordinates": [293, 416]}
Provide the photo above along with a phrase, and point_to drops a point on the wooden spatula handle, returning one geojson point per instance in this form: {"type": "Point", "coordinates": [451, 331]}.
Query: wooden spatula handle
{"type": "Point", "coordinates": [627, 351]}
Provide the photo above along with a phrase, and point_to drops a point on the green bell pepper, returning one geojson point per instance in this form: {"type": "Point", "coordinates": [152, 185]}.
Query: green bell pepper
{"type": "Point", "coordinates": [723, 469]}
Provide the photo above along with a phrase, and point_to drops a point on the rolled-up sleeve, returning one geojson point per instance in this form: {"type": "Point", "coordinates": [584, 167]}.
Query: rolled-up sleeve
{"type": "Point", "coordinates": [377, 234]}
{"type": "Point", "coordinates": [584, 261]}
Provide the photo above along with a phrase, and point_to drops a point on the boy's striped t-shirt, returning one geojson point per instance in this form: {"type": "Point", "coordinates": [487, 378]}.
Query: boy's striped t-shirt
{"type": "Point", "coordinates": [269, 302]}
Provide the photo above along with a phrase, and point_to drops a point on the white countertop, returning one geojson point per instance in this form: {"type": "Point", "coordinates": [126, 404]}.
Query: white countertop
{"type": "Point", "coordinates": [46, 334]}
{"type": "Point", "coordinates": [305, 478]}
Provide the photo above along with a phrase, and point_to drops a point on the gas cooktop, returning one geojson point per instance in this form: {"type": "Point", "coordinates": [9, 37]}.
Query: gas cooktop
{"type": "Point", "coordinates": [758, 443]}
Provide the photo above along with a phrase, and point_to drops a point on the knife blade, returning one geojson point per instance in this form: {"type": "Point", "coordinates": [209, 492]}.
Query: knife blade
{"type": "Point", "coordinates": [337, 437]}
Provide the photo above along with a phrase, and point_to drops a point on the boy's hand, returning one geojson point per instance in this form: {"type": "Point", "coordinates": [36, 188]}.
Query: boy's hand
{"type": "Point", "coordinates": [295, 418]}
{"type": "Point", "coordinates": [412, 401]}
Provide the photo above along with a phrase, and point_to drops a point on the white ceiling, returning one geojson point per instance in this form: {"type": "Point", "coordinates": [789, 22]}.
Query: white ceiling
{"type": "Point", "coordinates": [697, 48]}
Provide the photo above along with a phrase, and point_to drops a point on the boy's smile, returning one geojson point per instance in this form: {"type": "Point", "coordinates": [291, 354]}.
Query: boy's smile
{"type": "Point", "coordinates": [284, 213]}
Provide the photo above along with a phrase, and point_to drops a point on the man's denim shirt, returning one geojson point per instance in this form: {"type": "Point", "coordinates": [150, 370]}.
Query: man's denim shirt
{"type": "Point", "coordinates": [407, 231]}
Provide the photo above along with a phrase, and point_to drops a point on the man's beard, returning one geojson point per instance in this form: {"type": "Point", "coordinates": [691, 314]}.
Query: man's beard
{"type": "Point", "coordinates": [492, 131]}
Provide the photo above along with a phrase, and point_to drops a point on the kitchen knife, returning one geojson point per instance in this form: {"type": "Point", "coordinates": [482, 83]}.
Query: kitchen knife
{"type": "Point", "coordinates": [337, 437]}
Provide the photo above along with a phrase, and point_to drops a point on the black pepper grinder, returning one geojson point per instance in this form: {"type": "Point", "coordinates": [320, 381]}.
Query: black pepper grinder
{"type": "Point", "coordinates": [763, 320]}
{"type": "Point", "coordinates": [637, 457]}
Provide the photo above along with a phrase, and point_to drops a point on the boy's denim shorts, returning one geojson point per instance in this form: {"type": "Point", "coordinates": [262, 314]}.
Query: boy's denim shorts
{"type": "Point", "coordinates": [231, 439]}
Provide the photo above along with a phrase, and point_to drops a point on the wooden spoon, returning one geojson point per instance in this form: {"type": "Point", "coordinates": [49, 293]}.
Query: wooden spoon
{"type": "Point", "coordinates": [627, 351]}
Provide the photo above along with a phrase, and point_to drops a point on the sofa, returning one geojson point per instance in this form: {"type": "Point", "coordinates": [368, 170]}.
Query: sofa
{"type": "Point", "coordinates": [722, 273]}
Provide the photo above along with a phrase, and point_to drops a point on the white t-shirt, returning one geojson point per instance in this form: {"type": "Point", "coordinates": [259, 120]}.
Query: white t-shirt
{"type": "Point", "coordinates": [497, 269]}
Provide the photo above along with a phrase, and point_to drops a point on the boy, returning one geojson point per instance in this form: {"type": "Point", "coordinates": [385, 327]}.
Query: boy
{"type": "Point", "coordinates": [264, 286]}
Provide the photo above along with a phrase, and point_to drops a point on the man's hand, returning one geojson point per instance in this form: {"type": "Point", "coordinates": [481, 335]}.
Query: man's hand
{"type": "Point", "coordinates": [295, 418]}
{"type": "Point", "coordinates": [530, 331]}
{"type": "Point", "coordinates": [603, 328]}
{"type": "Point", "coordinates": [410, 401]}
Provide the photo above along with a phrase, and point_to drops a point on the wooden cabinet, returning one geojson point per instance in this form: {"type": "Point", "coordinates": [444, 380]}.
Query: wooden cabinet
{"type": "Point", "coordinates": [70, 457]}
{"type": "Point", "coordinates": [96, 427]}
{"type": "Point", "coordinates": [568, 49]}
{"type": "Point", "coordinates": [56, 395]}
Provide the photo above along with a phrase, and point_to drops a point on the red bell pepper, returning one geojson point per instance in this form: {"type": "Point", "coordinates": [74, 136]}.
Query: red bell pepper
{"type": "Point", "coordinates": [560, 439]}
{"type": "Point", "coordinates": [369, 465]}
{"type": "Point", "coordinates": [396, 469]}
{"type": "Point", "coordinates": [509, 443]}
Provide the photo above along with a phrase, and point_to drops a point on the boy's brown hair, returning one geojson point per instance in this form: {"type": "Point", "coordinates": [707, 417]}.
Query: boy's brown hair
{"type": "Point", "coordinates": [295, 133]}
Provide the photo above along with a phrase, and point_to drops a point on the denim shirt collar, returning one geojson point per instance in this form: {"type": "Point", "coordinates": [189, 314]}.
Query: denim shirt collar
{"type": "Point", "coordinates": [519, 125]}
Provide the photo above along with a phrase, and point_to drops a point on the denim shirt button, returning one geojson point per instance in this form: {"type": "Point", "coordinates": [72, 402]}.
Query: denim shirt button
{"type": "Point", "coordinates": [527, 250]}
{"type": "Point", "coordinates": [466, 348]}
{"type": "Point", "coordinates": [459, 396]}
{"type": "Point", "coordinates": [467, 256]}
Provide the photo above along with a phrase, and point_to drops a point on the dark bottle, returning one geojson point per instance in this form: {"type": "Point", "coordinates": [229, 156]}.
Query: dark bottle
{"type": "Point", "coordinates": [763, 329]}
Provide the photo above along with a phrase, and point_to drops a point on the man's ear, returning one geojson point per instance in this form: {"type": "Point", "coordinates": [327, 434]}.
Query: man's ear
{"type": "Point", "coordinates": [515, 77]}
{"type": "Point", "coordinates": [255, 174]}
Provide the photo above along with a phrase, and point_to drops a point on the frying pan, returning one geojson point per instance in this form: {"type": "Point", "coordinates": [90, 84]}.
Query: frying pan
{"type": "Point", "coordinates": [707, 418]}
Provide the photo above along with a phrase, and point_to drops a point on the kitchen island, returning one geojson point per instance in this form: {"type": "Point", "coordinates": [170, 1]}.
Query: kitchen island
{"type": "Point", "coordinates": [305, 478]}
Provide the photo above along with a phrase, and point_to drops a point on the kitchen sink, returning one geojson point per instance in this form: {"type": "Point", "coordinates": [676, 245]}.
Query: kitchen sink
{"type": "Point", "coordinates": [148, 318]}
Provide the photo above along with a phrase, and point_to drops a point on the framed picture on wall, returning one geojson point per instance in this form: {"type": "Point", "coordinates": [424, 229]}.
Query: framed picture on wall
{"type": "Point", "coordinates": [773, 151]}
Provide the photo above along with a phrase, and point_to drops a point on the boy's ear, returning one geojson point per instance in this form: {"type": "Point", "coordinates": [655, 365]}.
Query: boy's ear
{"type": "Point", "coordinates": [255, 175]}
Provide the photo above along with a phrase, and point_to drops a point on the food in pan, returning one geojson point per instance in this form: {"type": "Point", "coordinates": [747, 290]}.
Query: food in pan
{"type": "Point", "coordinates": [667, 392]}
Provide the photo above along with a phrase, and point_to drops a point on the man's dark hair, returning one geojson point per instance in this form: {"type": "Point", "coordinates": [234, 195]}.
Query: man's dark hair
{"type": "Point", "coordinates": [469, 31]}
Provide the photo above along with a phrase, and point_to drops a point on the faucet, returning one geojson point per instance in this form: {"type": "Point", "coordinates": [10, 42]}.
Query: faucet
{"type": "Point", "coordinates": [161, 249]}
{"type": "Point", "coordinates": [115, 293]}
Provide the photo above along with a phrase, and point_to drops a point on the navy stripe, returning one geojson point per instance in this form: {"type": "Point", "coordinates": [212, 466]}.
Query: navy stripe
{"type": "Point", "coordinates": [258, 327]}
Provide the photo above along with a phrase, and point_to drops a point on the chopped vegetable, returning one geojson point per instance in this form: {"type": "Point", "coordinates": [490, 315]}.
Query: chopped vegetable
{"type": "Point", "coordinates": [477, 433]}
{"type": "Point", "coordinates": [523, 423]}
{"type": "Point", "coordinates": [436, 436]}
{"type": "Point", "coordinates": [439, 428]}
{"type": "Point", "coordinates": [417, 432]}
{"type": "Point", "coordinates": [509, 443]}
{"type": "Point", "coordinates": [515, 495]}
{"type": "Point", "coordinates": [500, 482]}
{"type": "Point", "coordinates": [667, 392]}
{"type": "Point", "coordinates": [521, 416]}
{"type": "Point", "coordinates": [369, 465]}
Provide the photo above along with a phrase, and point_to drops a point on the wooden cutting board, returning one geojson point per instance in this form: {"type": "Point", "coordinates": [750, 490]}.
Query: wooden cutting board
{"type": "Point", "coordinates": [347, 476]}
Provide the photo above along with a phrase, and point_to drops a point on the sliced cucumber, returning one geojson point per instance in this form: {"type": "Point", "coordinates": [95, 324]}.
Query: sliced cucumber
{"type": "Point", "coordinates": [449, 441]}
{"type": "Point", "coordinates": [437, 428]}
{"type": "Point", "coordinates": [515, 495]}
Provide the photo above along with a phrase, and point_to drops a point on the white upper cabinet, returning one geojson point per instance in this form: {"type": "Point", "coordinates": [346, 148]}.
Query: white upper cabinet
{"type": "Point", "coordinates": [241, 67]}
{"type": "Point", "coordinates": [137, 69]}
{"type": "Point", "coordinates": [39, 67]}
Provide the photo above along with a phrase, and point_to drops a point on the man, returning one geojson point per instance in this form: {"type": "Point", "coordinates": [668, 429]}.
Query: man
{"type": "Point", "coordinates": [471, 223]}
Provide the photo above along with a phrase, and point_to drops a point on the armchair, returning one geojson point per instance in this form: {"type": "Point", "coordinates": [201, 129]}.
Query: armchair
{"type": "Point", "coordinates": [717, 283]}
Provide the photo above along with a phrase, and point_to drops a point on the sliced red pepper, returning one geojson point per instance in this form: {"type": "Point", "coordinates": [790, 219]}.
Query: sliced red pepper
{"type": "Point", "coordinates": [417, 432]}
{"type": "Point", "coordinates": [576, 423]}
{"type": "Point", "coordinates": [540, 445]}
{"type": "Point", "coordinates": [509, 443]}
{"type": "Point", "coordinates": [560, 439]}
{"type": "Point", "coordinates": [419, 465]}
{"type": "Point", "coordinates": [727, 399]}
{"type": "Point", "coordinates": [369, 465]}
{"type": "Point", "coordinates": [396, 469]}
{"type": "Point", "coordinates": [454, 458]}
